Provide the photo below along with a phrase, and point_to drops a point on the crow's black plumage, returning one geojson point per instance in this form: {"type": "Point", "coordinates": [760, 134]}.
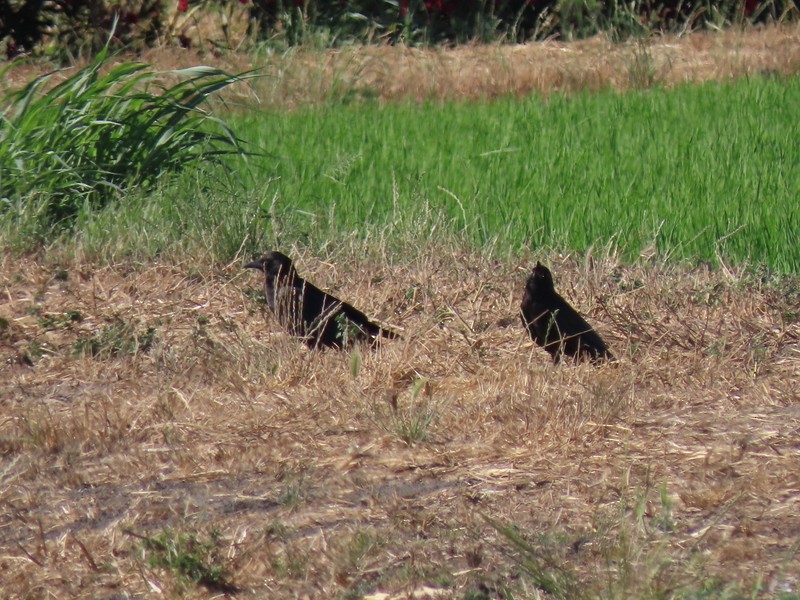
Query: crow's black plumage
{"type": "Point", "coordinates": [555, 325]}
{"type": "Point", "coordinates": [307, 312]}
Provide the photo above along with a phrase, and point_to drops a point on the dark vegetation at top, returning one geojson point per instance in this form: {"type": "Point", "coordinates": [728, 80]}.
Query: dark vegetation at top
{"type": "Point", "coordinates": [65, 29]}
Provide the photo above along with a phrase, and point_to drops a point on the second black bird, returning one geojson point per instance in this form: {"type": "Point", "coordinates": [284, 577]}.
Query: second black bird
{"type": "Point", "coordinates": [555, 325]}
{"type": "Point", "coordinates": [306, 311]}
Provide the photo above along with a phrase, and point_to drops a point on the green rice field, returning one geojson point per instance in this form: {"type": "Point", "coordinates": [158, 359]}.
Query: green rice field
{"type": "Point", "coordinates": [698, 172]}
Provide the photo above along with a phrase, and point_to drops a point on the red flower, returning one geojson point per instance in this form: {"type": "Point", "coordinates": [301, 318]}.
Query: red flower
{"type": "Point", "coordinates": [443, 7]}
{"type": "Point", "coordinates": [183, 5]}
{"type": "Point", "coordinates": [243, 1]}
{"type": "Point", "coordinates": [11, 50]}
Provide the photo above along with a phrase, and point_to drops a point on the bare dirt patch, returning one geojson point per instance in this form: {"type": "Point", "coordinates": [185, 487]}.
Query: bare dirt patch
{"type": "Point", "coordinates": [163, 398]}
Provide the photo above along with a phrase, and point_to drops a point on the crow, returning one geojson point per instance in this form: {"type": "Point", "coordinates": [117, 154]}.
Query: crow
{"type": "Point", "coordinates": [305, 311]}
{"type": "Point", "coordinates": [555, 325]}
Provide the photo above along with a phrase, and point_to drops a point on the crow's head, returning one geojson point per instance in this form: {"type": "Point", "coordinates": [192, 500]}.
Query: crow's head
{"type": "Point", "coordinates": [540, 281]}
{"type": "Point", "coordinates": [273, 264]}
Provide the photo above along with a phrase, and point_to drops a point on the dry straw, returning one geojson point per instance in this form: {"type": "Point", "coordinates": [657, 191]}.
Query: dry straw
{"type": "Point", "coordinates": [676, 463]}
{"type": "Point", "coordinates": [299, 77]}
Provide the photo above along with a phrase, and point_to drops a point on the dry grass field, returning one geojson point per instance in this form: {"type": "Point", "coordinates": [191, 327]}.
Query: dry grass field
{"type": "Point", "coordinates": [486, 72]}
{"type": "Point", "coordinates": [162, 403]}
{"type": "Point", "coordinates": [299, 77]}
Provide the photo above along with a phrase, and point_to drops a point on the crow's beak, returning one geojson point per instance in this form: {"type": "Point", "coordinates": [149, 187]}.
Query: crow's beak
{"type": "Point", "coordinates": [256, 264]}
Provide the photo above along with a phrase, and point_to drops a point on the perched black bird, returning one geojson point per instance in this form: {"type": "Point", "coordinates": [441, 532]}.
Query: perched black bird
{"type": "Point", "coordinates": [555, 325]}
{"type": "Point", "coordinates": [306, 311]}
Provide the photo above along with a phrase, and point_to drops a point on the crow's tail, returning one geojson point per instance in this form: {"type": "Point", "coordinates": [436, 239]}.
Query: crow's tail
{"type": "Point", "coordinates": [388, 333]}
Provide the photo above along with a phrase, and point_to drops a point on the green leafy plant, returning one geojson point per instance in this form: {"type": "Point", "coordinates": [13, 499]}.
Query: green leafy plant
{"type": "Point", "coordinates": [193, 560]}
{"type": "Point", "coordinates": [60, 321]}
{"type": "Point", "coordinates": [77, 145]}
{"type": "Point", "coordinates": [117, 338]}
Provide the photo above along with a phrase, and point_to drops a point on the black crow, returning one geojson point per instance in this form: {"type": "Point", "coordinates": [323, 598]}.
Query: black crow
{"type": "Point", "coordinates": [555, 325]}
{"type": "Point", "coordinates": [307, 312]}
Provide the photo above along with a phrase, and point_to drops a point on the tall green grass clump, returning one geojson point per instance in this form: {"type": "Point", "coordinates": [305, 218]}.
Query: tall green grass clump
{"type": "Point", "coordinates": [73, 147]}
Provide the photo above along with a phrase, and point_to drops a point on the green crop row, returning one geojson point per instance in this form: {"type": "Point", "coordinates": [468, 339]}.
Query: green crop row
{"type": "Point", "coordinates": [695, 172]}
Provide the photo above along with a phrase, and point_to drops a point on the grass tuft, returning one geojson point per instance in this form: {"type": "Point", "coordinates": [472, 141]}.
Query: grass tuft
{"type": "Point", "coordinates": [70, 147]}
{"type": "Point", "coordinates": [410, 421]}
{"type": "Point", "coordinates": [547, 572]}
{"type": "Point", "coordinates": [117, 338]}
{"type": "Point", "coordinates": [192, 560]}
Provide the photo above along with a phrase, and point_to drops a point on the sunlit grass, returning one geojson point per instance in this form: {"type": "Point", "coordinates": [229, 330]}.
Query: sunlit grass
{"type": "Point", "coordinates": [697, 172]}
{"type": "Point", "coordinates": [694, 172]}
{"type": "Point", "coordinates": [69, 148]}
